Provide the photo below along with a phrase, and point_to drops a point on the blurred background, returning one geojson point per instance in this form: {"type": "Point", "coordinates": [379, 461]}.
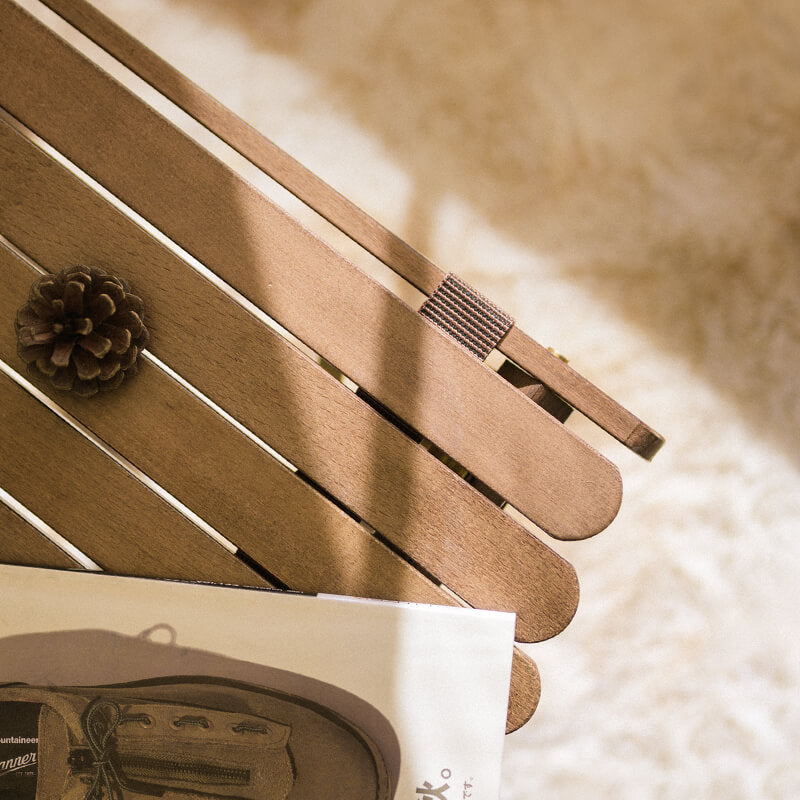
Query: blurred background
{"type": "Point", "coordinates": [624, 179]}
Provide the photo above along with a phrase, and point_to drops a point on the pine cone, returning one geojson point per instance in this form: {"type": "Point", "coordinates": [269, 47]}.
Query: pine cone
{"type": "Point", "coordinates": [81, 328]}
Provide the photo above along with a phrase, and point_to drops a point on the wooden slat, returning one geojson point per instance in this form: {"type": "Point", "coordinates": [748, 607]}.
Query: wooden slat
{"type": "Point", "coordinates": [300, 537]}
{"type": "Point", "coordinates": [90, 500]}
{"type": "Point", "coordinates": [582, 394]}
{"type": "Point", "coordinates": [346, 216]}
{"type": "Point", "coordinates": [400, 358]}
{"type": "Point", "coordinates": [21, 543]}
{"type": "Point", "coordinates": [521, 707]}
{"type": "Point", "coordinates": [290, 401]}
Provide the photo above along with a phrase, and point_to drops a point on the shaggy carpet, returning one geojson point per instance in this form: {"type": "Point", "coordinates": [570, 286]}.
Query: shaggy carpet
{"type": "Point", "coordinates": [624, 179]}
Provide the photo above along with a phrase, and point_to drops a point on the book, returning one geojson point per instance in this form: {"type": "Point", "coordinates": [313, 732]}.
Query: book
{"type": "Point", "coordinates": [155, 687]}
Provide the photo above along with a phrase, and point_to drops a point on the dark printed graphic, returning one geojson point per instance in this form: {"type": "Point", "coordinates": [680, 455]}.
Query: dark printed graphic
{"type": "Point", "coordinates": [19, 749]}
{"type": "Point", "coordinates": [181, 735]}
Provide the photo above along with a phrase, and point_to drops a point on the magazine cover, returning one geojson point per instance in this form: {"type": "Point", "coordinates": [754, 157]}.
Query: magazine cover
{"type": "Point", "coordinates": [117, 688]}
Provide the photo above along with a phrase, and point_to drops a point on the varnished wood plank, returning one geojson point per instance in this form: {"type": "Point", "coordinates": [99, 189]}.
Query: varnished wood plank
{"type": "Point", "coordinates": [106, 513]}
{"type": "Point", "coordinates": [522, 705]}
{"type": "Point", "coordinates": [581, 394]}
{"type": "Point", "coordinates": [290, 401]}
{"type": "Point", "coordinates": [351, 220]}
{"type": "Point", "coordinates": [400, 358]}
{"type": "Point", "coordinates": [21, 543]}
{"type": "Point", "coordinates": [300, 537]}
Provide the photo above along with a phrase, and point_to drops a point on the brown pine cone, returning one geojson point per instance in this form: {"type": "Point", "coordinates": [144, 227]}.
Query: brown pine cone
{"type": "Point", "coordinates": [82, 329]}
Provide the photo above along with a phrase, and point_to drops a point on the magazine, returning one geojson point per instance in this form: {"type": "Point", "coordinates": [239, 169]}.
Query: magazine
{"type": "Point", "coordinates": [121, 687]}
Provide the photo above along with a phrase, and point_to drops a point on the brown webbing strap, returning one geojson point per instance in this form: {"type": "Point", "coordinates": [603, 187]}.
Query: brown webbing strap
{"type": "Point", "coordinates": [465, 314]}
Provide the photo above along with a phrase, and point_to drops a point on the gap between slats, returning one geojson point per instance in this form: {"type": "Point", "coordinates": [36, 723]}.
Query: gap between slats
{"type": "Point", "coordinates": [38, 527]}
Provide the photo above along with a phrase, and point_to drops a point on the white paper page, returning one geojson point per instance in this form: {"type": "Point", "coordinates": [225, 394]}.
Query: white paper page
{"type": "Point", "coordinates": [429, 683]}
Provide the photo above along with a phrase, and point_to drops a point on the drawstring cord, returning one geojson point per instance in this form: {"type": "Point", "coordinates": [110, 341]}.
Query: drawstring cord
{"type": "Point", "coordinates": [99, 728]}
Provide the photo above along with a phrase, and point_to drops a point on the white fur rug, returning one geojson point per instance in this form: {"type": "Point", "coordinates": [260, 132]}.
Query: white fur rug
{"type": "Point", "coordinates": [624, 179]}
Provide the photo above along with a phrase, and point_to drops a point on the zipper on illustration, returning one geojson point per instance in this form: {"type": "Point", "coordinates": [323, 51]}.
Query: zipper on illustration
{"type": "Point", "coordinates": [153, 769]}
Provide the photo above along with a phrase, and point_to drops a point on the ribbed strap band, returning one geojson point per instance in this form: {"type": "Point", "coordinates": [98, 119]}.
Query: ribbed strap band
{"type": "Point", "coordinates": [471, 319]}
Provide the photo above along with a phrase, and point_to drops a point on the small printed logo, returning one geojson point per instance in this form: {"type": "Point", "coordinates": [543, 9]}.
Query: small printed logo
{"type": "Point", "coordinates": [427, 791]}
{"type": "Point", "coordinates": [16, 763]}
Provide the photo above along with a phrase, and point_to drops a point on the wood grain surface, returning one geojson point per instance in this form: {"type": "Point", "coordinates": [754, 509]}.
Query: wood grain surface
{"type": "Point", "coordinates": [337, 209]}
{"type": "Point", "coordinates": [21, 543]}
{"type": "Point", "coordinates": [400, 358]}
{"type": "Point", "coordinates": [290, 402]}
{"type": "Point", "coordinates": [94, 503]}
